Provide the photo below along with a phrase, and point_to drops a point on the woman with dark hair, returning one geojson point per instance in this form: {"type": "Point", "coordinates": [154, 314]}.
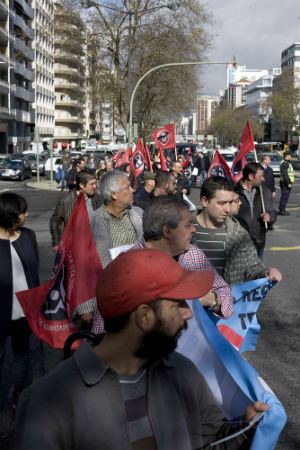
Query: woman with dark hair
{"type": "Point", "coordinates": [19, 271]}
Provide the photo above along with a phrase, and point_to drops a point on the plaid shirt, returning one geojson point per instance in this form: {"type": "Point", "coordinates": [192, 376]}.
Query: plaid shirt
{"type": "Point", "coordinates": [193, 259]}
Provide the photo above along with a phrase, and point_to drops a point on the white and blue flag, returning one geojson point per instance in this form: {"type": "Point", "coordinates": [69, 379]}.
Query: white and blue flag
{"type": "Point", "coordinates": [233, 381]}
{"type": "Point", "coordinates": [242, 328]}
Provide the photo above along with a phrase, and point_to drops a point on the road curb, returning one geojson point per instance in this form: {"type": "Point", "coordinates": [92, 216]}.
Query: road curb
{"type": "Point", "coordinates": [44, 185]}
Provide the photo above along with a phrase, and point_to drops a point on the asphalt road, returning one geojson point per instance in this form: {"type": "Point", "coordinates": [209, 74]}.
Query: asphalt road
{"type": "Point", "coordinates": [276, 357]}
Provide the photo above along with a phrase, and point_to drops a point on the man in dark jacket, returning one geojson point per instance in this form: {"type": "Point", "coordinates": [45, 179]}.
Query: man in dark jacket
{"type": "Point", "coordinates": [78, 165]}
{"type": "Point", "coordinates": [268, 174]}
{"type": "Point", "coordinates": [86, 183]}
{"type": "Point", "coordinates": [182, 182]}
{"type": "Point", "coordinates": [252, 215]}
{"type": "Point", "coordinates": [286, 182]}
{"type": "Point", "coordinates": [147, 395]}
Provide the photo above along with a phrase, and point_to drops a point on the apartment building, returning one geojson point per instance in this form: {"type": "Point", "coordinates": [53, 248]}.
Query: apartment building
{"type": "Point", "coordinates": [290, 63]}
{"type": "Point", "coordinates": [43, 45]}
{"type": "Point", "coordinates": [258, 92]}
{"type": "Point", "coordinates": [206, 106]}
{"type": "Point", "coordinates": [16, 75]}
{"type": "Point", "coordinates": [69, 76]}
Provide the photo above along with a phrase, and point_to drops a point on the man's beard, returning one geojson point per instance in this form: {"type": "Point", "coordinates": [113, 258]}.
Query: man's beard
{"type": "Point", "coordinates": [158, 343]}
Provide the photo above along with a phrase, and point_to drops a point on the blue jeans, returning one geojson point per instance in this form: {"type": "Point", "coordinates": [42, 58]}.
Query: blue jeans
{"type": "Point", "coordinates": [63, 177]}
{"type": "Point", "coordinates": [202, 176]}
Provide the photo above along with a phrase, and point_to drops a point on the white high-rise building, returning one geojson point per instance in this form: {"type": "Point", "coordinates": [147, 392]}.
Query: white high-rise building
{"type": "Point", "coordinates": [16, 75]}
{"type": "Point", "coordinates": [257, 93]}
{"type": "Point", "coordinates": [238, 79]}
{"type": "Point", "coordinates": [69, 77]}
{"type": "Point", "coordinates": [290, 61]}
{"type": "Point", "coordinates": [206, 106]}
{"type": "Point", "coordinates": [43, 45]}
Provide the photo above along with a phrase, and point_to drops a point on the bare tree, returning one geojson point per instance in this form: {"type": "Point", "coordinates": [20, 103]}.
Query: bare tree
{"type": "Point", "coordinates": [153, 37]}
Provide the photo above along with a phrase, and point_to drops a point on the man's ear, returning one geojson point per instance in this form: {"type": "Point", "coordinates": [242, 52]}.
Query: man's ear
{"type": "Point", "coordinates": [204, 202]}
{"type": "Point", "coordinates": [166, 231]}
{"type": "Point", "coordinates": [113, 195]}
{"type": "Point", "coordinates": [145, 317]}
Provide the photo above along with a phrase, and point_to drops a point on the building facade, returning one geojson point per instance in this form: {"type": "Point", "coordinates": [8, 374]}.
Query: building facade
{"type": "Point", "coordinates": [69, 77]}
{"type": "Point", "coordinates": [43, 45]}
{"type": "Point", "coordinates": [206, 106]}
{"type": "Point", "coordinates": [290, 64]}
{"type": "Point", "coordinates": [258, 92]}
{"type": "Point", "coordinates": [16, 75]}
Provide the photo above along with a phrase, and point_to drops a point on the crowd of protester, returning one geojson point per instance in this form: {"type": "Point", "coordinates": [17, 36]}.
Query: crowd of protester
{"type": "Point", "coordinates": [225, 238]}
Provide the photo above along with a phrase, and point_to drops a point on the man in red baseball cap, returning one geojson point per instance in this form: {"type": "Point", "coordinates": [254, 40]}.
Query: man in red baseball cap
{"type": "Point", "coordinates": [131, 391]}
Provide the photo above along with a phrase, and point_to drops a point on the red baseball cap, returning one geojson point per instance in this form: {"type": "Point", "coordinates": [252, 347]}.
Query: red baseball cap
{"type": "Point", "coordinates": [143, 275]}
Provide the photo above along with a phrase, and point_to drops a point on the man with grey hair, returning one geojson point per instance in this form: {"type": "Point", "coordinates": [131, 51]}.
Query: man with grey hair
{"type": "Point", "coordinates": [116, 222]}
{"type": "Point", "coordinates": [168, 226]}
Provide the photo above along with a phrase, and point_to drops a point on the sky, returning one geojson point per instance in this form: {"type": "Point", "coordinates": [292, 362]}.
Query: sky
{"type": "Point", "coordinates": [256, 31]}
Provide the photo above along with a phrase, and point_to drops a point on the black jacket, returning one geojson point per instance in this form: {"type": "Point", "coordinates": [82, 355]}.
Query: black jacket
{"type": "Point", "coordinates": [269, 179]}
{"type": "Point", "coordinates": [182, 183]}
{"type": "Point", "coordinates": [62, 212]}
{"type": "Point", "coordinates": [255, 226]}
{"type": "Point", "coordinates": [27, 250]}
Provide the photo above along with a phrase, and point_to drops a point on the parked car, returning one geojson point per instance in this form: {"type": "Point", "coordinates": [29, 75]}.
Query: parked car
{"type": "Point", "coordinates": [56, 162]}
{"type": "Point", "coordinates": [275, 162]}
{"type": "Point", "coordinates": [32, 159]}
{"type": "Point", "coordinates": [296, 164]}
{"type": "Point", "coordinates": [15, 168]}
{"type": "Point", "coordinates": [228, 155]}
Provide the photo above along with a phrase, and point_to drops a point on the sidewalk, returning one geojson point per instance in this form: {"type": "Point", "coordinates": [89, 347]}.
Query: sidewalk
{"type": "Point", "coordinates": [44, 184]}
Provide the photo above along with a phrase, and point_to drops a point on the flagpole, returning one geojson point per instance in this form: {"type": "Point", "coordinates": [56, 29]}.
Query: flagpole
{"type": "Point", "coordinates": [261, 192]}
{"type": "Point", "coordinates": [161, 66]}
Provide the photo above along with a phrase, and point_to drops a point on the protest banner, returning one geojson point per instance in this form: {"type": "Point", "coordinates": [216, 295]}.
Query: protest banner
{"type": "Point", "coordinates": [165, 137]}
{"type": "Point", "coordinates": [246, 146]}
{"type": "Point", "coordinates": [242, 328]}
{"type": "Point", "coordinates": [49, 307]}
{"type": "Point", "coordinates": [234, 383]}
{"type": "Point", "coordinates": [219, 167]}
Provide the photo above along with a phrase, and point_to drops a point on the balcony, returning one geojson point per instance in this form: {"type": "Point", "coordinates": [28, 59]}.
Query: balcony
{"type": "Point", "coordinates": [68, 102]}
{"type": "Point", "coordinates": [3, 36]}
{"type": "Point", "coordinates": [24, 116]}
{"type": "Point", "coordinates": [3, 10]}
{"type": "Point", "coordinates": [28, 74]}
{"type": "Point", "coordinates": [26, 8]}
{"type": "Point", "coordinates": [4, 87]}
{"type": "Point", "coordinates": [24, 27]}
{"type": "Point", "coordinates": [65, 85]}
{"type": "Point", "coordinates": [69, 119]}
{"type": "Point", "coordinates": [21, 47]}
{"type": "Point", "coordinates": [8, 113]}
{"type": "Point", "coordinates": [24, 94]}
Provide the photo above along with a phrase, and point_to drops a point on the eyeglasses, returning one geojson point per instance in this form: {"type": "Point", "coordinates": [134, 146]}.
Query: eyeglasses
{"type": "Point", "coordinates": [237, 201]}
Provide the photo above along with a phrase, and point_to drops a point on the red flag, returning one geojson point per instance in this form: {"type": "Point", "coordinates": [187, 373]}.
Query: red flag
{"type": "Point", "coordinates": [148, 159]}
{"type": "Point", "coordinates": [116, 157]}
{"type": "Point", "coordinates": [246, 146]}
{"type": "Point", "coordinates": [49, 307]}
{"type": "Point", "coordinates": [125, 158]}
{"type": "Point", "coordinates": [163, 162]}
{"type": "Point", "coordinates": [219, 167]}
{"type": "Point", "coordinates": [165, 137]}
{"type": "Point", "coordinates": [137, 162]}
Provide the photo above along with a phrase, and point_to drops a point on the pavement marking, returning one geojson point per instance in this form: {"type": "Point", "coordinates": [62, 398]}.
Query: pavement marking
{"type": "Point", "coordinates": [279, 249]}
{"type": "Point", "coordinates": [293, 208]}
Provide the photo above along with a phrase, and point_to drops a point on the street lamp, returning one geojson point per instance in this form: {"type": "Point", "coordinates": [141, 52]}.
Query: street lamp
{"type": "Point", "coordinates": [173, 6]}
{"type": "Point", "coordinates": [161, 66]}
